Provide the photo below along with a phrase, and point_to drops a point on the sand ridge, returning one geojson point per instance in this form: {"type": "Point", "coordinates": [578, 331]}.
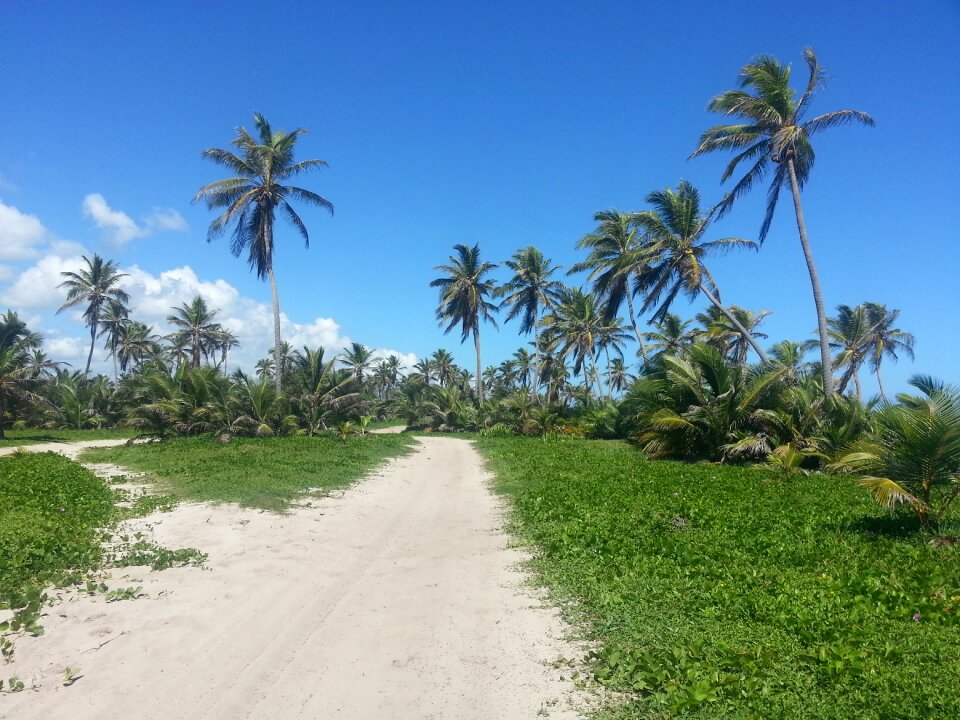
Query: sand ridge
{"type": "Point", "coordinates": [400, 599]}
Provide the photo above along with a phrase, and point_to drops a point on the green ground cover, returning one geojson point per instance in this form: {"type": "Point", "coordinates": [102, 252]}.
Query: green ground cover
{"type": "Point", "coordinates": [29, 437]}
{"type": "Point", "coordinates": [715, 591]}
{"type": "Point", "coordinates": [263, 472]}
{"type": "Point", "coordinates": [52, 519]}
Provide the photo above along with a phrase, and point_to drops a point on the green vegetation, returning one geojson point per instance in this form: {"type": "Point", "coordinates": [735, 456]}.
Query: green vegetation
{"type": "Point", "coordinates": [265, 472]}
{"type": "Point", "coordinates": [719, 591]}
{"type": "Point", "coordinates": [53, 514]}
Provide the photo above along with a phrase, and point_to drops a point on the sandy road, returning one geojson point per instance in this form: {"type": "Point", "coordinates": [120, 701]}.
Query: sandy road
{"type": "Point", "coordinates": [70, 449]}
{"type": "Point", "coordinates": [399, 600]}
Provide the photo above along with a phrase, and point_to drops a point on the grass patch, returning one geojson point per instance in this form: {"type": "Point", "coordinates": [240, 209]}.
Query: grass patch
{"type": "Point", "coordinates": [716, 592]}
{"type": "Point", "coordinates": [52, 519]}
{"type": "Point", "coordinates": [263, 472]}
{"type": "Point", "coordinates": [15, 438]}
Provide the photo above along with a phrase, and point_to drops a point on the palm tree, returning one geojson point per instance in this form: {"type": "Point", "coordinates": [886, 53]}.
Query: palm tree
{"type": "Point", "coordinates": [574, 328]}
{"type": "Point", "coordinates": [443, 367]}
{"type": "Point", "coordinates": [357, 359]}
{"type": "Point", "coordinates": [774, 136]}
{"type": "Point", "coordinates": [224, 341]}
{"type": "Point", "coordinates": [914, 458]}
{"type": "Point", "coordinates": [17, 377]}
{"type": "Point", "coordinates": [671, 335]}
{"type": "Point", "coordinates": [717, 329]}
{"type": "Point", "coordinates": [463, 298]}
{"type": "Point", "coordinates": [136, 343]}
{"type": "Point", "coordinates": [94, 285]}
{"type": "Point", "coordinates": [252, 199]}
{"type": "Point", "coordinates": [884, 339]}
{"type": "Point", "coordinates": [195, 328]}
{"type": "Point", "coordinates": [528, 293]}
{"type": "Point", "coordinates": [674, 231]}
{"type": "Point", "coordinates": [849, 335]}
{"type": "Point", "coordinates": [616, 261]}
{"type": "Point", "coordinates": [425, 370]}
{"type": "Point", "coordinates": [114, 316]}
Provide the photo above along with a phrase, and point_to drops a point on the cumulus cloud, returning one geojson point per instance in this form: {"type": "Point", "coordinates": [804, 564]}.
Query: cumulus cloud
{"type": "Point", "coordinates": [67, 349]}
{"type": "Point", "coordinates": [119, 228]}
{"type": "Point", "coordinates": [20, 234]}
{"type": "Point", "coordinates": [37, 286]}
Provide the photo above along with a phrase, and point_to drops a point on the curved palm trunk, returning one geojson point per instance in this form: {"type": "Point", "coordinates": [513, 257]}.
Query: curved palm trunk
{"type": "Point", "coordinates": [476, 345]}
{"type": "Point", "coordinates": [814, 283]}
{"type": "Point", "coordinates": [883, 393]}
{"type": "Point", "coordinates": [736, 323]}
{"type": "Point", "coordinates": [277, 370]}
{"type": "Point", "coordinates": [636, 330]}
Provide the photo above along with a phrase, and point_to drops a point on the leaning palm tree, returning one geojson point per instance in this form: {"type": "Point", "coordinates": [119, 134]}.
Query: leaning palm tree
{"type": "Point", "coordinates": [252, 199]}
{"type": "Point", "coordinates": [884, 339]}
{"type": "Point", "coordinates": [528, 293]}
{"type": "Point", "coordinates": [774, 136]}
{"type": "Point", "coordinates": [463, 298]}
{"type": "Point", "coordinates": [195, 328]}
{"type": "Point", "coordinates": [674, 230]}
{"type": "Point", "coordinates": [93, 286]}
{"type": "Point", "coordinates": [617, 259]}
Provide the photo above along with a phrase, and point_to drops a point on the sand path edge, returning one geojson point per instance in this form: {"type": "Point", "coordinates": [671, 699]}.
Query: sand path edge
{"type": "Point", "coordinates": [399, 599]}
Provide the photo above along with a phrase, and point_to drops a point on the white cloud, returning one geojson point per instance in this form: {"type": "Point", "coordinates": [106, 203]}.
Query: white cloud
{"type": "Point", "coordinates": [152, 298]}
{"type": "Point", "coordinates": [120, 228]}
{"type": "Point", "coordinates": [67, 349]}
{"type": "Point", "coordinates": [37, 286]}
{"type": "Point", "coordinates": [20, 234]}
{"type": "Point", "coordinates": [165, 219]}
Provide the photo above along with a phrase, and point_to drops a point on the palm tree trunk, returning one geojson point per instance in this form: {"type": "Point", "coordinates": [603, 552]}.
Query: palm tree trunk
{"type": "Point", "coordinates": [636, 330]}
{"type": "Point", "coordinates": [3, 412]}
{"type": "Point", "coordinates": [883, 393]}
{"type": "Point", "coordinates": [856, 384]}
{"type": "Point", "coordinates": [476, 345]}
{"type": "Point", "coordinates": [113, 353]}
{"type": "Point", "coordinates": [535, 384]}
{"type": "Point", "coordinates": [277, 370]}
{"type": "Point", "coordinates": [826, 368]}
{"type": "Point", "coordinates": [93, 341]}
{"type": "Point", "coordinates": [606, 353]}
{"type": "Point", "coordinates": [736, 323]}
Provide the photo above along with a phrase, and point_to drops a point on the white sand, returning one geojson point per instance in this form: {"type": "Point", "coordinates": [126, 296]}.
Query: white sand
{"type": "Point", "coordinates": [399, 600]}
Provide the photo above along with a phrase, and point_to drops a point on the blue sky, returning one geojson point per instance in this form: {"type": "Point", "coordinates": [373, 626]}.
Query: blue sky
{"type": "Point", "coordinates": [504, 124]}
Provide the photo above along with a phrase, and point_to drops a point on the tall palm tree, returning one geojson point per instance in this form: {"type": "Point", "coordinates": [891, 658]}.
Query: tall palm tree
{"type": "Point", "coordinates": [17, 376]}
{"type": "Point", "coordinates": [617, 259]}
{"type": "Point", "coordinates": [885, 340]}
{"type": "Point", "coordinates": [113, 317]}
{"type": "Point", "coordinates": [425, 369]}
{"type": "Point", "coordinates": [252, 199]}
{"type": "Point", "coordinates": [224, 341]}
{"type": "Point", "coordinates": [463, 298]}
{"type": "Point", "coordinates": [528, 293]}
{"type": "Point", "coordinates": [94, 285]}
{"type": "Point", "coordinates": [775, 137]}
{"type": "Point", "coordinates": [195, 326]}
{"type": "Point", "coordinates": [674, 230]}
